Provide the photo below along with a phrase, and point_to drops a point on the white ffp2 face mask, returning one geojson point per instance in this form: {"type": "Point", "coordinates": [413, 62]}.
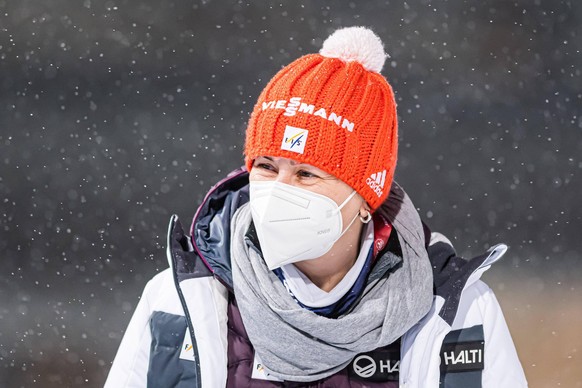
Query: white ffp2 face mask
{"type": "Point", "coordinates": [294, 224]}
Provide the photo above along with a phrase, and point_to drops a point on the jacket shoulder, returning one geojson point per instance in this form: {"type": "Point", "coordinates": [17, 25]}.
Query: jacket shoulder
{"type": "Point", "coordinates": [159, 280]}
{"type": "Point", "coordinates": [453, 274]}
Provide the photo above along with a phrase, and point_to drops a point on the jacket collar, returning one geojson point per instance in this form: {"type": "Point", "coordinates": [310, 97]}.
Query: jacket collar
{"type": "Point", "coordinates": [210, 230]}
{"type": "Point", "coordinates": [210, 233]}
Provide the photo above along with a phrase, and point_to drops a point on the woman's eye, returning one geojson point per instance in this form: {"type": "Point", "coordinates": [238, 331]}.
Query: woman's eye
{"type": "Point", "coordinates": [306, 174]}
{"type": "Point", "coordinates": [264, 166]}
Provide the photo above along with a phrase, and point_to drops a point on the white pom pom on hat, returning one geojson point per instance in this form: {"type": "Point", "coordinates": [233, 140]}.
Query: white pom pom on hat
{"type": "Point", "coordinates": [356, 44]}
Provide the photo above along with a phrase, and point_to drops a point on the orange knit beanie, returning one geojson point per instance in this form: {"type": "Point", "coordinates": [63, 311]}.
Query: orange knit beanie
{"type": "Point", "coordinates": [333, 110]}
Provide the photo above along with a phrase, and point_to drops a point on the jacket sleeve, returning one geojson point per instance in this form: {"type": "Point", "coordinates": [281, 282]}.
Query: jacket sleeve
{"type": "Point", "coordinates": [130, 365]}
{"type": "Point", "coordinates": [502, 367]}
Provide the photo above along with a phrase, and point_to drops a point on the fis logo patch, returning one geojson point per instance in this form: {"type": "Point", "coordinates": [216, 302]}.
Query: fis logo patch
{"type": "Point", "coordinates": [294, 139]}
{"type": "Point", "coordinates": [187, 351]}
{"type": "Point", "coordinates": [260, 372]}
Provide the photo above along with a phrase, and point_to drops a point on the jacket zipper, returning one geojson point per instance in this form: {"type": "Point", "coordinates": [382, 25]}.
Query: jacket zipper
{"type": "Point", "coordinates": [184, 306]}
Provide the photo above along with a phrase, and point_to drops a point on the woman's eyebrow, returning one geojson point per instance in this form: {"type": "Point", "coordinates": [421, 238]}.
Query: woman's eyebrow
{"type": "Point", "coordinates": [291, 162]}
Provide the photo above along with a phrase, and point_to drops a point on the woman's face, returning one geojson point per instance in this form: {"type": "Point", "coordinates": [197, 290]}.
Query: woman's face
{"type": "Point", "coordinates": [308, 177]}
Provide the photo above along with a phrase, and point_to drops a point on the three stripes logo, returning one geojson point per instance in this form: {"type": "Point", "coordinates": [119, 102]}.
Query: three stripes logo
{"type": "Point", "coordinates": [376, 182]}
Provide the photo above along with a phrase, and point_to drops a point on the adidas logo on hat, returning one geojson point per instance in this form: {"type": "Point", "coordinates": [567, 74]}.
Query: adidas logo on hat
{"type": "Point", "coordinates": [376, 182]}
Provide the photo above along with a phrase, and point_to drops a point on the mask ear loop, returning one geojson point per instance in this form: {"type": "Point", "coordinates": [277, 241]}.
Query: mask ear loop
{"type": "Point", "coordinates": [340, 207]}
{"type": "Point", "coordinates": [349, 225]}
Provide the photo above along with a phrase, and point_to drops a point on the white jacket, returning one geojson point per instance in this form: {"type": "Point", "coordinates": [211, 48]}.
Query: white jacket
{"type": "Point", "coordinates": [420, 347]}
{"type": "Point", "coordinates": [178, 333]}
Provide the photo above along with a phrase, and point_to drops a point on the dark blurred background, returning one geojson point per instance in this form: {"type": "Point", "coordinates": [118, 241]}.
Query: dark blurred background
{"type": "Point", "coordinates": [116, 114]}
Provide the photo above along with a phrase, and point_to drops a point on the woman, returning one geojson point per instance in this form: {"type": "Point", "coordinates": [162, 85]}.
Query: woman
{"type": "Point", "coordinates": [310, 267]}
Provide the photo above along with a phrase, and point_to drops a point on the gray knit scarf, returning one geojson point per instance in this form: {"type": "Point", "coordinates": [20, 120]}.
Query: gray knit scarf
{"type": "Point", "coordinates": [296, 344]}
